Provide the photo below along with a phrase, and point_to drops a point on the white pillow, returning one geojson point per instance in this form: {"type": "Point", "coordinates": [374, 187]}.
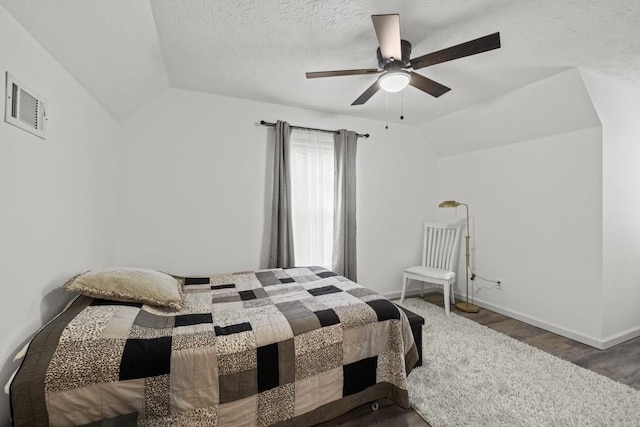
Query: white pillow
{"type": "Point", "coordinates": [129, 285]}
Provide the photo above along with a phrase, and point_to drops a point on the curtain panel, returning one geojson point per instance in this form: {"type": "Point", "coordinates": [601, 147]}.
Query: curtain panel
{"type": "Point", "coordinates": [344, 222]}
{"type": "Point", "coordinates": [281, 253]}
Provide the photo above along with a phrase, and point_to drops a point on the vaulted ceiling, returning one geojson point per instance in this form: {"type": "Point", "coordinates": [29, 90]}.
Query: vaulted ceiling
{"type": "Point", "coordinates": [125, 52]}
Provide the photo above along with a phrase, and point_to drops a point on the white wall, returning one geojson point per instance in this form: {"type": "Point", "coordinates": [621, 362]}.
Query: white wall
{"type": "Point", "coordinates": [536, 200]}
{"type": "Point", "coordinates": [618, 106]}
{"type": "Point", "coordinates": [195, 187]}
{"type": "Point", "coordinates": [58, 196]}
{"type": "Point", "coordinates": [537, 226]}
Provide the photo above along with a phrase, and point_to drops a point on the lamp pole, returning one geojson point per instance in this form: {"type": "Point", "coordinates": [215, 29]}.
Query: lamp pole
{"type": "Point", "coordinates": [467, 307]}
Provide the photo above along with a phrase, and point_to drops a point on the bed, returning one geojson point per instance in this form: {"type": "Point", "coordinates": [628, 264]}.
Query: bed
{"type": "Point", "coordinates": [289, 347]}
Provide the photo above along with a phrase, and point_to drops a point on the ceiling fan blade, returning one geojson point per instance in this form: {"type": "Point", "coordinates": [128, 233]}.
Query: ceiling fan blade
{"type": "Point", "coordinates": [316, 74]}
{"type": "Point", "coordinates": [427, 85]}
{"type": "Point", "coordinates": [371, 90]}
{"type": "Point", "coordinates": [388, 32]}
{"type": "Point", "coordinates": [482, 44]}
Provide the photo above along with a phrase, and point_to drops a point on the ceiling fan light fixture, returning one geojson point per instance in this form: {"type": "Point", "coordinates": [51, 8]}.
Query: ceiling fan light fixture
{"type": "Point", "coordinates": [394, 81]}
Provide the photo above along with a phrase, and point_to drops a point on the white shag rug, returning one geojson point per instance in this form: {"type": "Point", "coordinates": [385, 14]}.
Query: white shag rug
{"type": "Point", "coordinates": [474, 376]}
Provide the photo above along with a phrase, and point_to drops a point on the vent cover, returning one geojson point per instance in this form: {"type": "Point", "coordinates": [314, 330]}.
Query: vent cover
{"type": "Point", "coordinates": [24, 108]}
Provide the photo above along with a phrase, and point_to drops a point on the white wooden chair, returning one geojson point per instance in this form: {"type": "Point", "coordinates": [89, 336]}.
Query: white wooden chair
{"type": "Point", "coordinates": [439, 260]}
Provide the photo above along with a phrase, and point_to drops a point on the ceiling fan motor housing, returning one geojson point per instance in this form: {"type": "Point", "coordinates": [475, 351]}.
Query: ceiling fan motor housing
{"type": "Point", "coordinates": [405, 46]}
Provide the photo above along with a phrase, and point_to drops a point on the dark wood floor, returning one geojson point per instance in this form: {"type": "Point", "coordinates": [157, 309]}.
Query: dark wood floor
{"type": "Point", "coordinates": [620, 363]}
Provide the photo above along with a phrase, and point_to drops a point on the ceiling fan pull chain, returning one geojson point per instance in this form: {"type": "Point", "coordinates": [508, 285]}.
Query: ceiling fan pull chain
{"type": "Point", "coordinates": [386, 109]}
{"type": "Point", "coordinates": [402, 105]}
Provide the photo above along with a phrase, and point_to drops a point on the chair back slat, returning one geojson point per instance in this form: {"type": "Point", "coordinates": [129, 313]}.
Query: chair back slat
{"type": "Point", "coordinates": [436, 247]}
{"type": "Point", "coordinates": [440, 247]}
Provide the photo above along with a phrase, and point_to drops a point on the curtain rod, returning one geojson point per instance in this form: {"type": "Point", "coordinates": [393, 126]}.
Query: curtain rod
{"type": "Point", "coordinates": [263, 123]}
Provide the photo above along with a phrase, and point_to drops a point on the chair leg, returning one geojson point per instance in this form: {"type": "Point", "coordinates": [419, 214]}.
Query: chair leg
{"type": "Point", "coordinates": [446, 288]}
{"type": "Point", "coordinates": [404, 286]}
{"type": "Point", "coordinates": [453, 294]}
{"type": "Point", "coordinates": [421, 289]}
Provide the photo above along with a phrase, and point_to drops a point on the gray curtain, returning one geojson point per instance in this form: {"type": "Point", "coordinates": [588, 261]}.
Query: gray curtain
{"type": "Point", "coordinates": [344, 225]}
{"type": "Point", "coordinates": [281, 249]}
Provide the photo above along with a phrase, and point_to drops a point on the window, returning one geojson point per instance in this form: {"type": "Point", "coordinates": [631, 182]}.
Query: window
{"type": "Point", "coordinates": [312, 196]}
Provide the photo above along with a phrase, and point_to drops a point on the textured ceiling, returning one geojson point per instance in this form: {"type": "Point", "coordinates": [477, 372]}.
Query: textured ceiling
{"type": "Point", "coordinates": [124, 52]}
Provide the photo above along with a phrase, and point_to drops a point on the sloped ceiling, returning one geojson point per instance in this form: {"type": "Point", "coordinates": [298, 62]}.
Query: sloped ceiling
{"type": "Point", "coordinates": [552, 106]}
{"type": "Point", "coordinates": [124, 52]}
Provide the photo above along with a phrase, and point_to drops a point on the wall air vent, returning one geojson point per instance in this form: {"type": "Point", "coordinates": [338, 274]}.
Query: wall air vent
{"type": "Point", "coordinates": [24, 108]}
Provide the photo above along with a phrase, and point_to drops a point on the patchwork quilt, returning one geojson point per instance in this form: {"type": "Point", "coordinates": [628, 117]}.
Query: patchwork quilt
{"type": "Point", "coordinates": [274, 347]}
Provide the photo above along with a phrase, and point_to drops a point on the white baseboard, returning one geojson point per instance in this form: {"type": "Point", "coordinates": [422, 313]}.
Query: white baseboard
{"type": "Point", "coordinates": [601, 344]}
{"type": "Point", "coordinates": [576, 336]}
{"type": "Point", "coordinates": [621, 337]}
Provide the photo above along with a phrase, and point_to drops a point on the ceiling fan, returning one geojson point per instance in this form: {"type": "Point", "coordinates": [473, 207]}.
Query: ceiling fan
{"type": "Point", "coordinates": [395, 67]}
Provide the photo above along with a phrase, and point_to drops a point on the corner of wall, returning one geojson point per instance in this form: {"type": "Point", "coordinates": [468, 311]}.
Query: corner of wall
{"type": "Point", "coordinates": [617, 103]}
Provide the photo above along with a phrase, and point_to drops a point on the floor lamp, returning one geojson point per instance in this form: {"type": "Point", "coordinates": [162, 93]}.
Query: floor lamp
{"type": "Point", "coordinates": [467, 307]}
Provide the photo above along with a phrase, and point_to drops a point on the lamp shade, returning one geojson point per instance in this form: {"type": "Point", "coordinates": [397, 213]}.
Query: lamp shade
{"type": "Point", "coordinates": [449, 204]}
{"type": "Point", "coordinates": [394, 81]}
